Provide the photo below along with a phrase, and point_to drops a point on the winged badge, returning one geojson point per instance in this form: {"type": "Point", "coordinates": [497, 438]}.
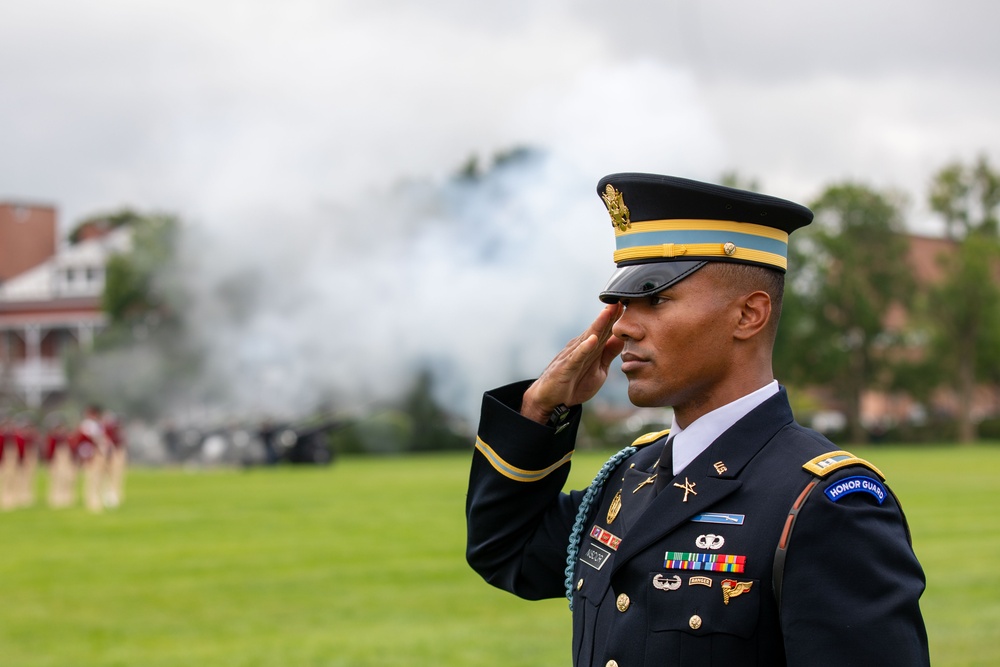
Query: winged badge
{"type": "Point", "coordinates": [732, 588]}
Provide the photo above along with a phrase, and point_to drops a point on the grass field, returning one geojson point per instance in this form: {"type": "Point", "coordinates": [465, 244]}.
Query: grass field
{"type": "Point", "coordinates": [362, 564]}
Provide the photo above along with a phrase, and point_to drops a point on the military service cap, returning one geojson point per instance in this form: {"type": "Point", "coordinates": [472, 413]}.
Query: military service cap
{"type": "Point", "coordinates": [666, 228]}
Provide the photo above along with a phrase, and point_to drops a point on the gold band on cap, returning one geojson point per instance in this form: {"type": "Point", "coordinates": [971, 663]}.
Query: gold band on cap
{"type": "Point", "coordinates": [704, 225]}
{"type": "Point", "coordinates": [696, 250]}
{"type": "Point", "coordinates": [667, 239]}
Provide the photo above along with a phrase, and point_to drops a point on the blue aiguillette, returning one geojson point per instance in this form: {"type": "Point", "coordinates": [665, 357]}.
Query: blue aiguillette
{"type": "Point", "coordinates": [714, 517]}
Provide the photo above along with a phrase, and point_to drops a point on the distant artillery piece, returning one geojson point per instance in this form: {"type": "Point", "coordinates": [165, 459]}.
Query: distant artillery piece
{"type": "Point", "coordinates": [308, 443]}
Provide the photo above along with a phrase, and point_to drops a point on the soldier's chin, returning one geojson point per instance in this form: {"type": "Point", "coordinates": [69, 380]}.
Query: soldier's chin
{"type": "Point", "coordinates": [641, 398]}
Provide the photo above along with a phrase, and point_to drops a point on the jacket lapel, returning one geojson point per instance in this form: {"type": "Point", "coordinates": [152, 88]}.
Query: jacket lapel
{"type": "Point", "coordinates": [711, 477]}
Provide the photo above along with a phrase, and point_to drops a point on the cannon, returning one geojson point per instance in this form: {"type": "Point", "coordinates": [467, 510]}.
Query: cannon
{"type": "Point", "coordinates": [305, 443]}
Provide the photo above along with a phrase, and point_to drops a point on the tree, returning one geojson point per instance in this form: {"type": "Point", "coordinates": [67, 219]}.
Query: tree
{"type": "Point", "coordinates": [965, 308]}
{"type": "Point", "coordinates": [141, 359]}
{"type": "Point", "coordinates": [431, 426]}
{"type": "Point", "coordinates": [133, 288]}
{"type": "Point", "coordinates": [967, 198]}
{"type": "Point", "coordinates": [847, 269]}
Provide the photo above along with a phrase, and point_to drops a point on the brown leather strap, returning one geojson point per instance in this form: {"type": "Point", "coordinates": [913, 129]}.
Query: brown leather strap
{"type": "Point", "coordinates": [786, 534]}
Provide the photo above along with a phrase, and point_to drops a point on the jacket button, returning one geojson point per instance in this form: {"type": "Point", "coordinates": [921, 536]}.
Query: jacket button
{"type": "Point", "coordinates": [579, 584]}
{"type": "Point", "coordinates": [611, 663]}
{"type": "Point", "coordinates": [623, 602]}
{"type": "Point", "coordinates": [695, 622]}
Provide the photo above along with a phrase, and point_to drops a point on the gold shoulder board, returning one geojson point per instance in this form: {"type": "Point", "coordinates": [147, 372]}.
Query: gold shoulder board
{"type": "Point", "coordinates": [643, 440]}
{"type": "Point", "coordinates": [824, 464]}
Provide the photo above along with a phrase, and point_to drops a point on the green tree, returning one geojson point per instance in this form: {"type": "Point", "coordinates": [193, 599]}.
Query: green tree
{"type": "Point", "coordinates": [141, 358]}
{"type": "Point", "coordinates": [135, 287]}
{"type": "Point", "coordinates": [847, 269]}
{"type": "Point", "coordinates": [964, 309]}
{"type": "Point", "coordinates": [432, 428]}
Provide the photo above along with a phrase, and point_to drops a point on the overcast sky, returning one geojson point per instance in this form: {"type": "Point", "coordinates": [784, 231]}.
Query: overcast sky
{"type": "Point", "coordinates": [208, 108]}
{"type": "Point", "coordinates": [281, 132]}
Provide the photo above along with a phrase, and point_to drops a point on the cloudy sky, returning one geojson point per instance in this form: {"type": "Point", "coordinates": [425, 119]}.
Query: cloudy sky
{"type": "Point", "coordinates": [209, 107]}
{"type": "Point", "coordinates": [246, 117]}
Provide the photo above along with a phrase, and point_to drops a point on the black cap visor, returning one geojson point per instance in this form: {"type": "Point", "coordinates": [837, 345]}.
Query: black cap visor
{"type": "Point", "coordinates": [639, 280]}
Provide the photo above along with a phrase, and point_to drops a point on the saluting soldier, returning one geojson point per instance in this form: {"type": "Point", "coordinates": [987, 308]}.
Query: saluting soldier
{"type": "Point", "coordinates": [737, 538]}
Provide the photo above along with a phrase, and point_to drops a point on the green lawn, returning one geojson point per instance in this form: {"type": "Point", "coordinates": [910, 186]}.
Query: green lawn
{"type": "Point", "coordinates": [363, 564]}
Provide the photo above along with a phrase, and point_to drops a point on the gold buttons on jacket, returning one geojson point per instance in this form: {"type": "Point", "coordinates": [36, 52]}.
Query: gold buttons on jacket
{"type": "Point", "coordinates": [579, 584]}
{"type": "Point", "coordinates": [623, 602]}
{"type": "Point", "coordinates": [695, 622]}
{"type": "Point", "coordinates": [611, 663]}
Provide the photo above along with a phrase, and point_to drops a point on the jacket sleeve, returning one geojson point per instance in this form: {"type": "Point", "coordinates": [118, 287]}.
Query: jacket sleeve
{"type": "Point", "coordinates": [518, 519]}
{"type": "Point", "coordinates": [852, 583]}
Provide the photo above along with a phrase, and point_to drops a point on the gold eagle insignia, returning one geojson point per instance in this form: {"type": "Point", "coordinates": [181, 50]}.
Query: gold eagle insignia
{"type": "Point", "coordinates": [616, 208]}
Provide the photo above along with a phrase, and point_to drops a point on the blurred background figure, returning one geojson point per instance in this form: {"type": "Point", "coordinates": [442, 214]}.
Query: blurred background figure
{"type": "Point", "coordinates": [113, 491]}
{"type": "Point", "coordinates": [62, 469]}
{"type": "Point", "coordinates": [8, 464]}
{"type": "Point", "coordinates": [26, 439]}
{"type": "Point", "coordinates": [93, 448]}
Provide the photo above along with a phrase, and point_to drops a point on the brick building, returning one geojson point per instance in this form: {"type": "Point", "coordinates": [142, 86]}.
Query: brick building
{"type": "Point", "coordinates": [50, 299]}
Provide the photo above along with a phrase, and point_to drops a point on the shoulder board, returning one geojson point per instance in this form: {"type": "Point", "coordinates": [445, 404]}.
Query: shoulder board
{"type": "Point", "coordinates": [649, 438]}
{"type": "Point", "coordinates": [824, 464]}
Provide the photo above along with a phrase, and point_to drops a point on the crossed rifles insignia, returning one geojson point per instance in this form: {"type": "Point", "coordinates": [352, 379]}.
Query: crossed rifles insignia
{"type": "Point", "coordinates": [688, 488]}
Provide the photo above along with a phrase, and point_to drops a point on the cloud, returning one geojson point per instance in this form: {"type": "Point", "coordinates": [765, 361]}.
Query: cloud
{"type": "Point", "coordinates": [308, 145]}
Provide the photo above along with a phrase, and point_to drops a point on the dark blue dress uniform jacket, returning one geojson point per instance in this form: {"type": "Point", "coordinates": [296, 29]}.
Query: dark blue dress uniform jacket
{"type": "Point", "coordinates": [850, 585]}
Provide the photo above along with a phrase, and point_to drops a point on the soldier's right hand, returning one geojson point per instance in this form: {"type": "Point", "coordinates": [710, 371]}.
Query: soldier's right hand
{"type": "Point", "coordinates": [578, 371]}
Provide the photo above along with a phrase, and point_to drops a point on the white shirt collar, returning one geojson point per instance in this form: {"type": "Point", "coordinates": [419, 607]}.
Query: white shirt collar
{"type": "Point", "coordinates": [702, 432]}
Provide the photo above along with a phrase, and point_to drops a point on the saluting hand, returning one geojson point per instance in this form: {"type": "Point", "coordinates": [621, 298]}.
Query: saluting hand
{"type": "Point", "coordinates": [578, 371]}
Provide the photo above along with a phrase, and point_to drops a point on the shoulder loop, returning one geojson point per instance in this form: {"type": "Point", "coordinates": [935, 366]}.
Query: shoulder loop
{"type": "Point", "coordinates": [648, 438]}
{"type": "Point", "coordinates": [824, 464]}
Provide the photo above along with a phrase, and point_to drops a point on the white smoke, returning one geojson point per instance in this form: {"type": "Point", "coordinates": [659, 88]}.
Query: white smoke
{"type": "Point", "coordinates": [340, 299]}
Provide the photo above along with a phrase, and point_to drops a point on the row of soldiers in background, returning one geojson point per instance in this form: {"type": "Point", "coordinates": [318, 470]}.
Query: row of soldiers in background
{"type": "Point", "coordinates": [94, 450]}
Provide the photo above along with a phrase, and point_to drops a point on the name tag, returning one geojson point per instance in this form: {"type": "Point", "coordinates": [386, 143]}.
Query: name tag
{"type": "Point", "coordinates": [595, 556]}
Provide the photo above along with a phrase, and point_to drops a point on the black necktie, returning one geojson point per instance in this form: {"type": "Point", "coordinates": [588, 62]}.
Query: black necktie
{"type": "Point", "coordinates": [665, 466]}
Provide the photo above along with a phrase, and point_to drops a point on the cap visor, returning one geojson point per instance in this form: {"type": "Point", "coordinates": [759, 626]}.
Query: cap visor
{"type": "Point", "coordinates": [638, 280]}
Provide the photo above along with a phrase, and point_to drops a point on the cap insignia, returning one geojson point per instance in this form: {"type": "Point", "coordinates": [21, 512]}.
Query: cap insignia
{"type": "Point", "coordinates": [617, 208]}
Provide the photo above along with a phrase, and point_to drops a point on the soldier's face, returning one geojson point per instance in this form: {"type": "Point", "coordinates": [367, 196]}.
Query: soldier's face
{"type": "Point", "coordinates": [678, 343]}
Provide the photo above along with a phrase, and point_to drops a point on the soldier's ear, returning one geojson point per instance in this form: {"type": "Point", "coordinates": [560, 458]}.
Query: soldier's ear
{"type": "Point", "coordinates": [755, 313]}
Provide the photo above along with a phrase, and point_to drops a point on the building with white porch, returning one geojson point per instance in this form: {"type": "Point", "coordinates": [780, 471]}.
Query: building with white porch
{"type": "Point", "coordinates": [50, 309]}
